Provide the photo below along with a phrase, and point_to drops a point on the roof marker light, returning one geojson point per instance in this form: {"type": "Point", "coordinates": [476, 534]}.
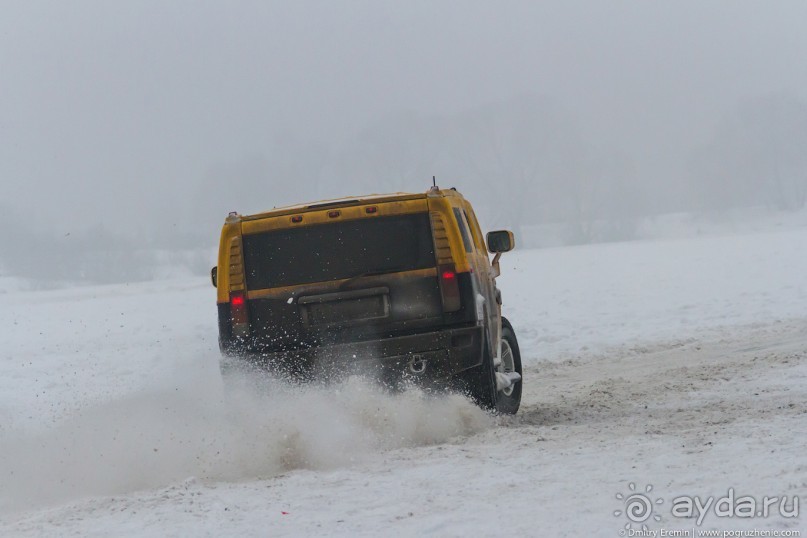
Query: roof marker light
{"type": "Point", "coordinates": [333, 214]}
{"type": "Point", "coordinates": [297, 218]}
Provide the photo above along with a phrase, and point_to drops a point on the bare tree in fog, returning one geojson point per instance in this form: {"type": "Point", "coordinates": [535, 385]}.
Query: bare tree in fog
{"type": "Point", "coordinates": [397, 153]}
{"type": "Point", "coordinates": [757, 157]}
{"type": "Point", "coordinates": [517, 155]}
{"type": "Point", "coordinates": [254, 182]}
{"type": "Point", "coordinates": [606, 199]}
{"type": "Point", "coordinates": [523, 161]}
{"type": "Point", "coordinates": [95, 255]}
{"type": "Point", "coordinates": [529, 164]}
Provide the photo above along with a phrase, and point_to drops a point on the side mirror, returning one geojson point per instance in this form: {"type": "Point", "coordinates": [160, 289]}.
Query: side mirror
{"type": "Point", "coordinates": [500, 241]}
{"type": "Point", "coordinates": [214, 276]}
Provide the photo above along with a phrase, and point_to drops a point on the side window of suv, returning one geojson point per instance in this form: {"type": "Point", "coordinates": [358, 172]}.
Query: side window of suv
{"type": "Point", "coordinates": [475, 231]}
{"type": "Point", "coordinates": [466, 238]}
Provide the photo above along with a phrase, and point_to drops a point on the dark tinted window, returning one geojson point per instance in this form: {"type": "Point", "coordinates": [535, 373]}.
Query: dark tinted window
{"type": "Point", "coordinates": [466, 239]}
{"type": "Point", "coordinates": [338, 250]}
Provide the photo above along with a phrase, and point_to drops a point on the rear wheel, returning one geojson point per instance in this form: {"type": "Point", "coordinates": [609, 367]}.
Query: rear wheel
{"type": "Point", "coordinates": [509, 399]}
{"type": "Point", "coordinates": [480, 381]}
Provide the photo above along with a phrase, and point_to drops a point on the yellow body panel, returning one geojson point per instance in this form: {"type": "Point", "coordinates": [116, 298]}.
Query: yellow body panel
{"type": "Point", "coordinates": [229, 233]}
{"type": "Point", "coordinates": [439, 203]}
{"type": "Point", "coordinates": [443, 206]}
{"type": "Point", "coordinates": [283, 292]}
{"type": "Point", "coordinates": [369, 199]}
{"type": "Point", "coordinates": [321, 216]}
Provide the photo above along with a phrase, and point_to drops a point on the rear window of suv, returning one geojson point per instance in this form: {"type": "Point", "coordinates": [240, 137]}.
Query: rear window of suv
{"type": "Point", "coordinates": [338, 250]}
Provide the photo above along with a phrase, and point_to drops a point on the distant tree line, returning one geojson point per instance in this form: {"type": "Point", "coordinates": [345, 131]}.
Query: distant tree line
{"type": "Point", "coordinates": [758, 156]}
{"type": "Point", "coordinates": [96, 255]}
{"type": "Point", "coordinates": [524, 162]}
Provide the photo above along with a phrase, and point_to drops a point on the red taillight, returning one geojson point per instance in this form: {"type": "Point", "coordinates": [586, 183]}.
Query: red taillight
{"type": "Point", "coordinates": [371, 209]}
{"type": "Point", "coordinates": [238, 309]}
{"type": "Point", "coordinates": [449, 288]}
{"type": "Point", "coordinates": [333, 214]}
{"type": "Point", "coordinates": [297, 218]}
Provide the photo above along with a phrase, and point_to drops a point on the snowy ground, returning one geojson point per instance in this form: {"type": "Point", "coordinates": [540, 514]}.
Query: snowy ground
{"type": "Point", "coordinates": [680, 364]}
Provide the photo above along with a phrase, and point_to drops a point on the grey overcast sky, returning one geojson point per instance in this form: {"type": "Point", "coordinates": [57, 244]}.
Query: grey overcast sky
{"type": "Point", "coordinates": [110, 107]}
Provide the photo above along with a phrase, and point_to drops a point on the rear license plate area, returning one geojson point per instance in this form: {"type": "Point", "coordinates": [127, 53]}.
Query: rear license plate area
{"type": "Point", "coordinates": [345, 308]}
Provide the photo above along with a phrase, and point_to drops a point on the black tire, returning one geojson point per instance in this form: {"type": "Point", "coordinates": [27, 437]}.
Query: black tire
{"type": "Point", "coordinates": [508, 404]}
{"type": "Point", "coordinates": [480, 381]}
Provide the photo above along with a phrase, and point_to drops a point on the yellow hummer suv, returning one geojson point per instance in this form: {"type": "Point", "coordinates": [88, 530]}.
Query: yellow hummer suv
{"type": "Point", "coordinates": [398, 285]}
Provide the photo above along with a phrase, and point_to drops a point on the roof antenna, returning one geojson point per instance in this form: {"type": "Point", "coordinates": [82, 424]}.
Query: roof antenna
{"type": "Point", "coordinates": [434, 183]}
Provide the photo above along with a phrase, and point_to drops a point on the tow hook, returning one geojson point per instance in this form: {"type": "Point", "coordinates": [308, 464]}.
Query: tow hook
{"type": "Point", "coordinates": [505, 380]}
{"type": "Point", "coordinates": [417, 365]}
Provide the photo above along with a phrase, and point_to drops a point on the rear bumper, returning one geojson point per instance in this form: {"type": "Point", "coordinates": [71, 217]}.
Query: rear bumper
{"type": "Point", "coordinates": [432, 355]}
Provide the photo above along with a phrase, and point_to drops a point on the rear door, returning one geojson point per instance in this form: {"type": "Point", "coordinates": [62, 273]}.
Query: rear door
{"type": "Point", "coordinates": [478, 257]}
{"type": "Point", "coordinates": [342, 280]}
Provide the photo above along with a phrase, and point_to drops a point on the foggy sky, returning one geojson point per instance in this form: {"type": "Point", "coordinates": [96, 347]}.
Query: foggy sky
{"type": "Point", "coordinates": [110, 111]}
